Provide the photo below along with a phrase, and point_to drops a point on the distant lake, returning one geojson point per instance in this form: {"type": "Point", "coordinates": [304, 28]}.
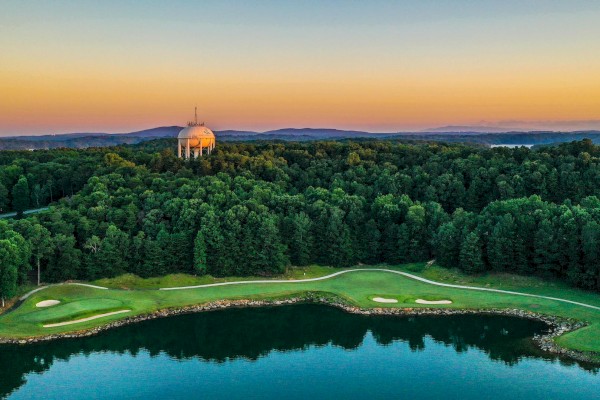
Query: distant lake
{"type": "Point", "coordinates": [512, 146]}
{"type": "Point", "coordinates": [299, 352]}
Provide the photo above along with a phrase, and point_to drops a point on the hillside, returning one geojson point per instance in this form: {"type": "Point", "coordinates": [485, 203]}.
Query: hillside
{"type": "Point", "coordinates": [449, 134]}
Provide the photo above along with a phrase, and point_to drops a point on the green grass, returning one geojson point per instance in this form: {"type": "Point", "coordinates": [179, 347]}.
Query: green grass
{"type": "Point", "coordinates": [358, 288]}
{"type": "Point", "coordinates": [130, 281]}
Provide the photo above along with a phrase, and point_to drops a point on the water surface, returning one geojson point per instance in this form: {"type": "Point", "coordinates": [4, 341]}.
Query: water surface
{"type": "Point", "coordinates": [299, 352]}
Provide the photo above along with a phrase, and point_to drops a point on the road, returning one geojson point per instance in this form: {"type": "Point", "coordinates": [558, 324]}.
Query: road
{"type": "Point", "coordinates": [14, 213]}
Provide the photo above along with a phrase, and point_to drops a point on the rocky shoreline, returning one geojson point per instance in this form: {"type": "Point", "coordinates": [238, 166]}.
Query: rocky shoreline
{"type": "Point", "coordinates": [558, 326]}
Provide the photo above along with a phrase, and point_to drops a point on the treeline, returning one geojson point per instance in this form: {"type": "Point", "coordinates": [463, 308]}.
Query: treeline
{"type": "Point", "coordinates": [32, 179]}
{"type": "Point", "coordinates": [253, 209]}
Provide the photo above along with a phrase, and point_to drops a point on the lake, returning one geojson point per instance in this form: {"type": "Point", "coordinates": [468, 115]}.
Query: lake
{"type": "Point", "coordinates": [299, 352]}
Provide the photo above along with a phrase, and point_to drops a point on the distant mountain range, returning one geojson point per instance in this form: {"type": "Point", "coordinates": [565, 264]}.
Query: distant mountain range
{"type": "Point", "coordinates": [471, 129]}
{"type": "Point", "coordinates": [465, 134]}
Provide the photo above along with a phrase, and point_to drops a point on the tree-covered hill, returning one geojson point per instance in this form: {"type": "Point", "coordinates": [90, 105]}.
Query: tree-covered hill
{"type": "Point", "coordinates": [256, 208]}
{"type": "Point", "coordinates": [450, 134]}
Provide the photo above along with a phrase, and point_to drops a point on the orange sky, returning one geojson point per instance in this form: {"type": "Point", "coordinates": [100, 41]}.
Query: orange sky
{"type": "Point", "coordinates": [106, 70]}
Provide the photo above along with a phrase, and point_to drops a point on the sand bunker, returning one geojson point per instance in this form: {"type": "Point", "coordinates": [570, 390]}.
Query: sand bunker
{"type": "Point", "coordinates": [421, 301]}
{"type": "Point", "coordinates": [382, 300]}
{"type": "Point", "coordinates": [85, 319]}
{"type": "Point", "coordinates": [47, 303]}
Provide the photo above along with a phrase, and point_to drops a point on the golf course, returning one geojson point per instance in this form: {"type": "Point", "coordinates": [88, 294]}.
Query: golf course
{"type": "Point", "coordinates": [72, 307]}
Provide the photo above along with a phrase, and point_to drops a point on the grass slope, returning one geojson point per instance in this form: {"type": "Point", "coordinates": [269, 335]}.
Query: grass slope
{"type": "Point", "coordinates": [357, 288]}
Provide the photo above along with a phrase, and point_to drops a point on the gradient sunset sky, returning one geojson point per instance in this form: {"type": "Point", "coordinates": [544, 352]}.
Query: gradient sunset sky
{"type": "Point", "coordinates": [117, 66]}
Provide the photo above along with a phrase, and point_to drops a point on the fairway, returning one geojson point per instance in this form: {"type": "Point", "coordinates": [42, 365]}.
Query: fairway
{"type": "Point", "coordinates": [87, 305]}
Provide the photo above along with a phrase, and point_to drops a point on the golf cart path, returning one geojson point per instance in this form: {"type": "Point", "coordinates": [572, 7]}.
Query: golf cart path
{"type": "Point", "coordinates": [26, 295]}
{"type": "Point", "coordinates": [321, 278]}
{"type": "Point", "coordinates": [411, 276]}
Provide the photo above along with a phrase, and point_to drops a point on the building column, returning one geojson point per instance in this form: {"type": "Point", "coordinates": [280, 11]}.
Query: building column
{"type": "Point", "coordinates": [187, 149]}
{"type": "Point", "coordinates": [179, 148]}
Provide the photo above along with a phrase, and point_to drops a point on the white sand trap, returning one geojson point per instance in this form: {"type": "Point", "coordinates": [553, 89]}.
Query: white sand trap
{"type": "Point", "coordinates": [382, 300]}
{"type": "Point", "coordinates": [47, 303]}
{"type": "Point", "coordinates": [85, 319]}
{"type": "Point", "coordinates": [421, 301]}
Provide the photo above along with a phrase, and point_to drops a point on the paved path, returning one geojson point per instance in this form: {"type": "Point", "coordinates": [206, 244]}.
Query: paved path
{"type": "Point", "coordinates": [411, 276]}
{"type": "Point", "coordinates": [85, 319]}
{"type": "Point", "coordinates": [14, 214]}
{"type": "Point", "coordinates": [321, 278]}
{"type": "Point", "coordinates": [26, 295]}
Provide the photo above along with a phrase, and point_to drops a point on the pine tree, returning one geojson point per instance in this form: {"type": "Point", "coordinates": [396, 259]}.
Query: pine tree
{"type": "Point", "coordinates": [590, 240]}
{"type": "Point", "coordinates": [569, 248]}
{"type": "Point", "coordinates": [41, 244]}
{"type": "Point", "coordinates": [371, 243]}
{"type": "Point", "coordinates": [417, 228]}
{"type": "Point", "coordinates": [471, 257]}
{"type": "Point", "coordinates": [179, 251]}
{"type": "Point", "coordinates": [114, 252]}
{"type": "Point", "coordinates": [237, 242]}
{"type": "Point", "coordinates": [22, 250]}
{"type": "Point", "coordinates": [501, 247]}
{"type": "Point", "coordinates": [20, 195]}
{"type": "Point", "coordinates": [213, 237]}
{"type": "Point", "coordinates": [337, 237]}
{"type": "Point", "coordinates": [403, 246]}
{"type": "Point", "coordinates": [200, 263]}
{"type": "Point", "coordinates": [545, 249]}
{"type": "Point", "coordinates": [65, 261]}
{"type": "Point", "coordinates": [3, 198]}
{"type": "Point", "coordinates": [447, 249]}
{"type": "Point", "coordinates": [300, 243]}
{"type": "Point", "coordinates": [137, 254]}
{"type": "Point", "coordinates": [8, 270]}
{"type": "Point", "coordinates": [153, 259]}
{"type": "Point", "coordinates": [389, 246]}
{"type": "Point", "coordinates": [271, 256]}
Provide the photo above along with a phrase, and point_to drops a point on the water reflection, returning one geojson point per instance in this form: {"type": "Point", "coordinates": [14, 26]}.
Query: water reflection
{"type": "Point", "coordinates": [251, 333]}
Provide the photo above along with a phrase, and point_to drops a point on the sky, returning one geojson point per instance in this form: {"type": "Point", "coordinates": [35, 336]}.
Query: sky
{"type": "Point", "coordinates": [381, 66]}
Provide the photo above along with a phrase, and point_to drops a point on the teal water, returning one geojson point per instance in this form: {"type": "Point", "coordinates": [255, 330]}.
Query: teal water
{"type": "Point", "coordinates": [299, 352]}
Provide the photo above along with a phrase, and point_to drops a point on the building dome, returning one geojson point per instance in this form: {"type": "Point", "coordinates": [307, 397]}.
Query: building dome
{"type": "Point", "coordinates": [199, 135]}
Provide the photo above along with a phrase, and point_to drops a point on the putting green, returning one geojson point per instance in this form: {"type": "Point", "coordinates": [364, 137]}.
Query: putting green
{"type": "Point", "coordinates": [357, 287]}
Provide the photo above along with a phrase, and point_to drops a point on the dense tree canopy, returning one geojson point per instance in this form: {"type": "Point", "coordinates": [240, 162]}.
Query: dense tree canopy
{"type": "Point", "coordinates": [257, 208]}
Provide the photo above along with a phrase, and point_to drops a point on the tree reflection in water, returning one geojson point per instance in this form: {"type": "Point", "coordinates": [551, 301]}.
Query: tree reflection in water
{"type": "Point", "coordinates": [250, 333]}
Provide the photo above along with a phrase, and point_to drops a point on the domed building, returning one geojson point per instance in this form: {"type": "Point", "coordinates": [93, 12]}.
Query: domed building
{"type": "Point", "coordinates": [195, 140]}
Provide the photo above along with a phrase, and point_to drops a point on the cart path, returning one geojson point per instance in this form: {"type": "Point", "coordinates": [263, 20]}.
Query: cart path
{"type": "Point", "coordinates": [26, 295]}
{"type": "Point", "coordinates": [321, 278]}
{"type": "Point", "coordinates": [406, 274]}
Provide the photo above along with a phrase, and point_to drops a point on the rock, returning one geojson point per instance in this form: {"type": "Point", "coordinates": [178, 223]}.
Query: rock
{"type": "Point", "coordinates": [557, 325]}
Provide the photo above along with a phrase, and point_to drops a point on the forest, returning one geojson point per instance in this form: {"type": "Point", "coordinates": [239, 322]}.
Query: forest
{"type": "Point", "coordinates": [257, 208]}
